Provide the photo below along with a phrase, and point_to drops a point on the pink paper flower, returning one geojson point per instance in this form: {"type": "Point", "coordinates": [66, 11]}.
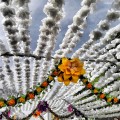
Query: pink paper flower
{"type": "Point", "coordinates": [70, 108]}
{"type": "Point", "coordinates": [9, 113]}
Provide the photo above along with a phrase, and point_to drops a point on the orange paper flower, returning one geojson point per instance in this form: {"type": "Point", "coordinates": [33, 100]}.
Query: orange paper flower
{"type": "Point", "coordinates": [11, 102]}
{"type": "Point", "coordinates": [102, 96]}
{"type": "Point", "coordinates": [109, 99]}
{"type": "Point", "coordinates": [1, 104]}
{"type": "Point", "coordinates": [44, 84]}
{"type": "Point", "coordinates": [31, 95]}
{"type": "Point", "coordinates": [71, 69]}
{"type": "Point", "coordinates": [37, 113]}
{"type": "Point", "coordinates": [116, 100]}
{"type": "Point", "coordinates": [95, 91]}
{"type": "Point", "coordinates": [89, 85]}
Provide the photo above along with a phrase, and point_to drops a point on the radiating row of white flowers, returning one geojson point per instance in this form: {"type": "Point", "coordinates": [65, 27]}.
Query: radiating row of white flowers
{"type": "Point", "coordinates": [116, 29]}
{"type": "Point", "coordinates": [88, 99]}
{"type": "Point", "coordinates": [103, 25]}
{"type": "Point", "coordinates": [10, 28]}
{"type": "Point", "coordinates": [9, 23]}
{"type": "Point", "coordinates": [23, 20]}
{"type": "Point", "coordinates": [107, 110]}
{"type": "Point", "coordinates": [73, 34]}
{"type": "Point", "coordinates": [55, 12]}
{"type": "Point", "coordinates": [112, 115]}
{"type": "Point", "coordinates": [48, 32]}
{"type": "Point", "coordinates": [6, 68]}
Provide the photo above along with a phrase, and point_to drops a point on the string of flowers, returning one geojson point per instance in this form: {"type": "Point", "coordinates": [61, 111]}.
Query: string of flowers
{"type": "Point", "coordinates": [96, 34]}
{"type": "Point", "coordinates": [44, 107]}
{"type": "Point", "coordinates": [23, 21]}
{"type": "Point", "coordinates": [9, 23]}
{"type": "Point", "coordinates": [50, 27]}
{"type": "Point", "coordinates": [6, 67]}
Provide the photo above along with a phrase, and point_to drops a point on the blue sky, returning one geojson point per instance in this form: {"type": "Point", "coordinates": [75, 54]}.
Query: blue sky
{"type": "Point", "coordinates": [71, 7]}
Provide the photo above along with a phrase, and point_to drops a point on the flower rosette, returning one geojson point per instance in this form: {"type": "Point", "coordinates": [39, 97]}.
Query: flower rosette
{"type": "Point", "coordinates": [70, 70]}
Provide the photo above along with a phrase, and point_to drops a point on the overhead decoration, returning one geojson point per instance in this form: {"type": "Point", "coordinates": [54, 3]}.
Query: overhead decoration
{"type": "Point", "coordinates": [85, 84]}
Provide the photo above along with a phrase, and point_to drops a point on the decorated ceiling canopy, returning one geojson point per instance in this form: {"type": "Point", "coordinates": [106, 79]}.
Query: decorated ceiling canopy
{"type": "Point", "coordinates": [73, 81]}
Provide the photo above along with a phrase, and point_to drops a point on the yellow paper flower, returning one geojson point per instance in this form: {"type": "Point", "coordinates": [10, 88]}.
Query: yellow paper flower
{"type": "Point", "coordinates": [71, 70]}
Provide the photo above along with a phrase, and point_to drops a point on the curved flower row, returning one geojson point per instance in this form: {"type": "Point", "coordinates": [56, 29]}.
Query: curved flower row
{"type": "Point", "coordinates": [107, 97]}
{"type": "Point", "coordinates": [12, 101]}
{"type": "Point", "coordinates": [67, 70]}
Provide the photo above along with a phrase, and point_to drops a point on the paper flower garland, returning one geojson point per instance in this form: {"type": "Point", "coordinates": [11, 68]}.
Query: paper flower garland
{"type": "Point", "coordinates": [67, 70]}
{"type": "Point", "coordinates": [107, 97]}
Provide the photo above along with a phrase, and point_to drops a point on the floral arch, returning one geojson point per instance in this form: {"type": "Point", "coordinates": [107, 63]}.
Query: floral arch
{"type": "Point", "coordinates": [73, 82]}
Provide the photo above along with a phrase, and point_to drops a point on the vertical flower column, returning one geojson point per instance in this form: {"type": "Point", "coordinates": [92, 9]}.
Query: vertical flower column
{"type": "Point", "coordinates": [9, 23]}
{"type": "Point", "coordinates": [6, 67]}
{"type": "Point", "coordinates": [23, 20]}
{"type": "Point", "coordinates": [48, 32]}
